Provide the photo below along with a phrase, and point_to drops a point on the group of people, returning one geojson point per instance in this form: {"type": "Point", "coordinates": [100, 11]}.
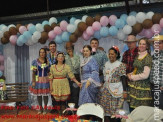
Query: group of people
{"type": "Point", "coordinates": [97, 77]}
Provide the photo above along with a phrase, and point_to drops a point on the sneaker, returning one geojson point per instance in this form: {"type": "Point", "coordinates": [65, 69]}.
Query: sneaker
{"type": "Point", "coordinates": [44, 112]}
{"type": "Point", "coordinates": [39, 112]}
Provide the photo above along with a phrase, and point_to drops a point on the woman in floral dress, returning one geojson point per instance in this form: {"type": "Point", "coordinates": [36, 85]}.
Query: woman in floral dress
{"type": "Point", "coordinates": [114, 87]}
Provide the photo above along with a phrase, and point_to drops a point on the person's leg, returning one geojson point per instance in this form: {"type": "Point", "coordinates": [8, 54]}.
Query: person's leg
{"type": "Point", "coordinates": [45, 104]}
{"type": "Point", "coordinates": [54, 104]}
{"type": "Point", "coordinates": [39, 99]}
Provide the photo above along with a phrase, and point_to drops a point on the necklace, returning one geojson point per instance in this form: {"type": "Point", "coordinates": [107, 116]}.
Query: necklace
{"type": "Point", "coordinates": [61, 69]}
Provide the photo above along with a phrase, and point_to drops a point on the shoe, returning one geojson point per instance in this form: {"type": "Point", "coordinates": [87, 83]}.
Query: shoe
{"type": "Point", "coordinates": [44, 112]}
{"type": "Point", "coordinates": [39, 112]}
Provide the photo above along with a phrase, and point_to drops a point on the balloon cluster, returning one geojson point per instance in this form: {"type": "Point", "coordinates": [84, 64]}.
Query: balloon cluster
{"type": "Point", "coordinates": [143, 24]}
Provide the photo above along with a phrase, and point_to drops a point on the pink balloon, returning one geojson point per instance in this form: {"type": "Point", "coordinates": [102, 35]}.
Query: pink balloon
{"type": "Point", "coordinates": [22, 29]}
{"type": "Point", "coordinates": [112, 19]}
{"type": "Point", "coordinates": [57, 30]}
{"type": "Point", "coordinates": [156, 28]}
{"type": "Point", "coordinates": [63, 25]}
{"type": "Point", "coordinates": [85, 36]}
{"type": "Point", "coordinates": [148, 33]}
{"type": "Point", "coordinates": [51, 34]}
{"type": "Point", "coordinates": [96, 26]}
{"type": "Point", "coordinates": [29, 25]}
{"type": "Point", "coordinates": [142, 33]}
{"type": "Point", "coordinates": [13, 39]}
{"type": "Point", "coordinates": [89, 31]}
{"type": "Point", "coordinates": [161, 22]}
{"type": "Point", "coordinates": [104, 20]}
{"type": "Point", "coordinates": [2, 68]}
{"type": "Point", "coordinates": [1, 58]}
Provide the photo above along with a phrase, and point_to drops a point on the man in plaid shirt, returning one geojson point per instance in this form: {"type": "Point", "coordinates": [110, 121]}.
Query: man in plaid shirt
{"type": "Point", "coordinates": [156, 75]}
{"type": "Point", "coordinates": [130, 54]}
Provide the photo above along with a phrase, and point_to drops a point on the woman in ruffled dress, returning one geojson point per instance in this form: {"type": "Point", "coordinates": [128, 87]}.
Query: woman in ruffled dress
{"type": "Point", "coordinates": [113, 90]}
{"type": "Point", "coordinates": [40, 85]}
{"type": "Point", "coordinates": [89, 77]}
{"type": "Point", "coordinates": [139, 87]}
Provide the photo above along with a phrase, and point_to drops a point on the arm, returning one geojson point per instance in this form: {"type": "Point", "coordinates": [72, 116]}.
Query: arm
{"type": "Point", "coordinates": [51, 78]}
{"type": "Point", "coordinates": [143, 75]}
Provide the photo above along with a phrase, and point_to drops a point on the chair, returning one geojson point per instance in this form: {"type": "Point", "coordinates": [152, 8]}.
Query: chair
{"type": "Point", "coordinates": [91, 109]}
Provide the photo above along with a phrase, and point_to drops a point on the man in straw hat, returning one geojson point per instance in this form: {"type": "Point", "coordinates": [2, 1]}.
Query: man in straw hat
{"type": "Point", "coordinates": [156, 75]}
{"type": "Point", "coordinates": [130, 54]}
{"type": "Point", "coordinates": [73, 61]}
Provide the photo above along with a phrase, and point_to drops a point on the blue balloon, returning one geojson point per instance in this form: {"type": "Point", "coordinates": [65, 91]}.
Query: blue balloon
{"type": "Point", "coordinates": [124, 17]}
{"type": "Point", "coordinates": [27, 35]}
{"type": "Point", "coordinates": [104, 31]}
{"type": "Point", "coordinates": [32, 29]}
{"type": "Point", "coordinates": [1, 73]}
{"type": "Point", "coordinates": [120, 23]}
{"type": "Point", "coordinates": [19, 43]}
{"type": "Point", "coordinates": [22, 39]}
{"type": "Point", "coordinates": [97, 34]}
{"type": "Point", "coordinates": [72, 20]}
{"type": "Point", "coordinates": [132, 13]}
{"type": "Point", "coordinates": [45, 23]}
{"type": "Point", "coordinates": [113, 31]}
{"type": "Point", "coordinates": [58, 39]}
{"type": "Point", "coordinates": [65, 36]}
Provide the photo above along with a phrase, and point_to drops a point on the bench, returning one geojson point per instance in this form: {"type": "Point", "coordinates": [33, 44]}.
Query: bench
{"type": "Point", "coordinates": [16, 92]}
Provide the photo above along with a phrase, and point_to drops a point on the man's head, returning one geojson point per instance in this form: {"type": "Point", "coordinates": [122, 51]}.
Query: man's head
{"type": "Point", "coordinates": [131, 42]}
{"type": "Point", "coordinates": [52, 46]}
{"type": "Point", "coordinates": [158, 42]}
{"type": "Point", "coordinates": [69, 47]}
{"type": "Point", "coordinates": [94, 43]}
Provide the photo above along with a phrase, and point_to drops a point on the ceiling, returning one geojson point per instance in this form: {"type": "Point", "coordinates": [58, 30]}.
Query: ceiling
{"type": "Point", "coordinates": [19, 7]}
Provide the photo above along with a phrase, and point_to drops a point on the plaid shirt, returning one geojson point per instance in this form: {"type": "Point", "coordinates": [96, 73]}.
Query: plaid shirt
{"type": "Point", "coordinates": [128, 59]}
{"type": "Point", "coordinates": [156, 69]}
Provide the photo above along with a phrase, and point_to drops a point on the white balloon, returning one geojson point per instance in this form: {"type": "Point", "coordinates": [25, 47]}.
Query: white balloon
{"type": "Point", "coordinates": [84, 18]}
{"type": "Point", "coordinates": [39, 27]}
{"type": "Point", "coordinates": [77, 21]}
{"type": "Point", "coordinates": [71, 28]}
{"type": "Point", "coordinates": [12, 25]}
{"type": "Point", "coordinates": [29, 42]}
{"type": "Point", "coordinates": [34, 40]}
{"type": "Point", "coordinates": [1, 34]}
{"type": "Point", "coordinates": [5, 28]}
{"type": "Point", "coordinates": [131, 20]}
{"type": "Point", "coordinates": [121, 35]}
{"type": "Point", "coordinates": [127, 29]}
{"type": "Point", "coordinates": [52, 20]}
{"type": "Point", "coordinates": [37, 35]}
{"type": "Point", "coordinates": [149, 15]}
{"type": "Point", "coordinates": [140, 17]}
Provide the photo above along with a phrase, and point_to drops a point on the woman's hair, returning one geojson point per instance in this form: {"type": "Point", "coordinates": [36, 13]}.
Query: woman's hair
{"type": "Point", "coordinates": [58, 53]}
{"type": "Point", "coordinates": [116, 52]}
{"type": "Point", "coordinates": [89, 48]}
{"type": "Point", "coordinates": [45, 59]}
{"type": "Point", "coordinates": [147, 43]}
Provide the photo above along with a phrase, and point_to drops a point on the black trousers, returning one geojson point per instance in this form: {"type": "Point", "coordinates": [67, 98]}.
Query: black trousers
{"type": "Point", "coordinates": [74, 96]}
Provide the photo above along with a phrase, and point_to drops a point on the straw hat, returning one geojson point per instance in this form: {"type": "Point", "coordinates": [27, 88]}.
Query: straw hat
{"type": "Point", "coordinates": [157, 38]}
{"type": "Point", "coordinates": [131, 38]}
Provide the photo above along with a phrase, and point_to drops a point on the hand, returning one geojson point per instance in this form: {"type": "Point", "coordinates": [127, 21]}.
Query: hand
{"type": "Point", "coordinates": [129, 76]}
{"type": "Point", "coordinates": [124, 94]}
{"type": "Point", "coordinates": [115, 91]}
{"type": "Point", "coordinates": [33, 84]}
{"type": "Point", "coordinates": [79, 84]}
{"type": "Point", "coordinates": [87, 84]}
